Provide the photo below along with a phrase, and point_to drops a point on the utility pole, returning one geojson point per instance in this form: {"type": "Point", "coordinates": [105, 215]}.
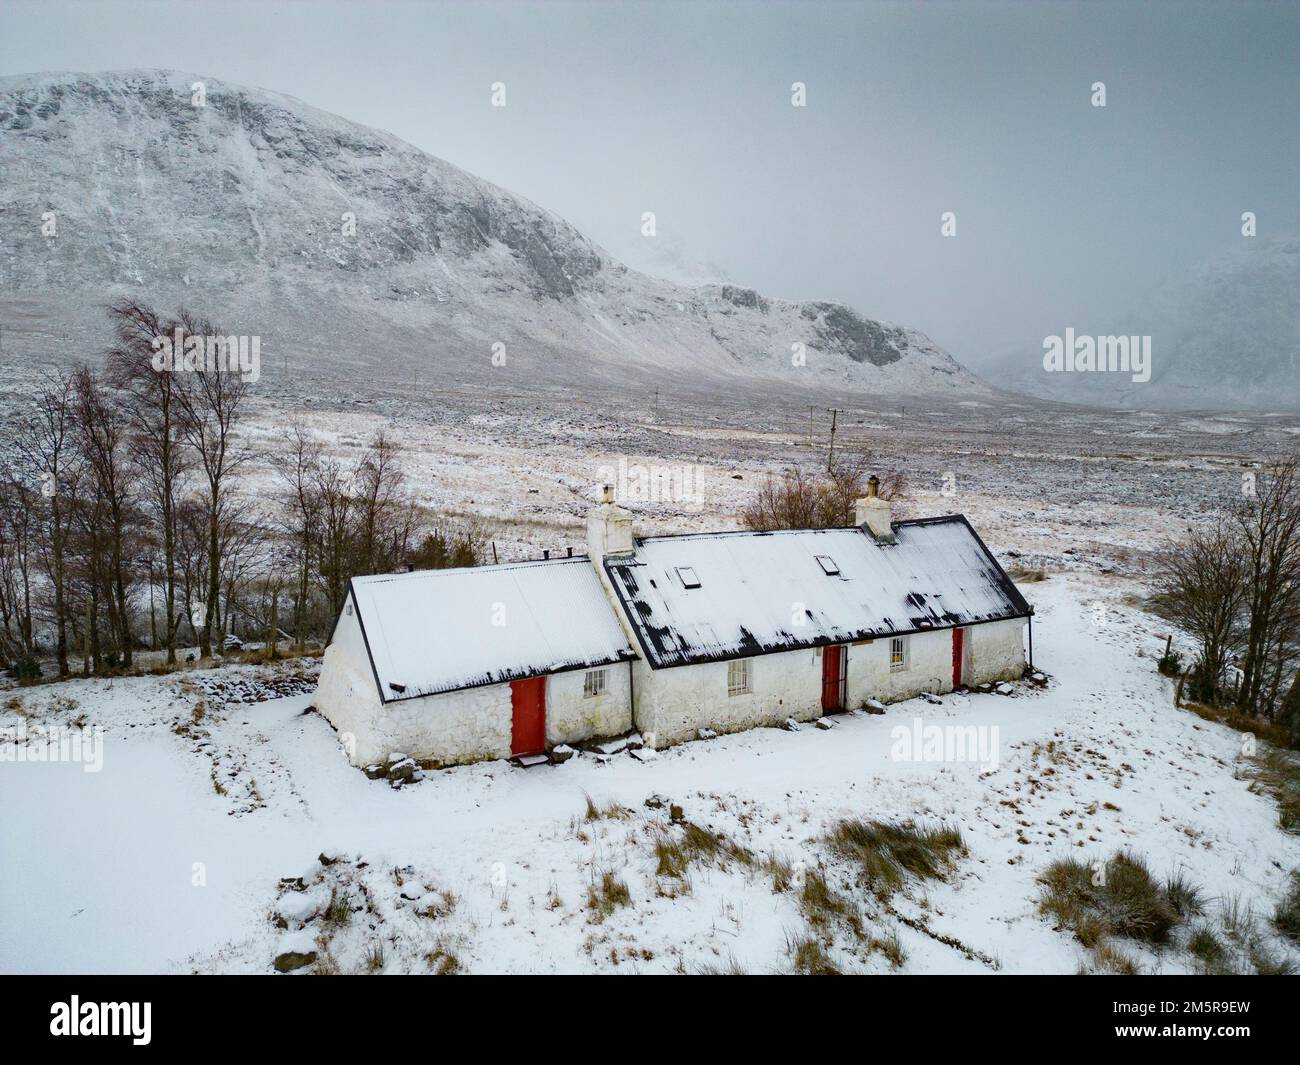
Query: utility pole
{"type": "Point", "coordinates": [835, 412]}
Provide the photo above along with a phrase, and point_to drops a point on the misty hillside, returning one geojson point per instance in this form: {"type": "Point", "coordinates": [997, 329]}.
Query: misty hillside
{"type": "Point", "coordinates": [237, 209]}
{"type": "Point", "coordinates": [1226, 335]}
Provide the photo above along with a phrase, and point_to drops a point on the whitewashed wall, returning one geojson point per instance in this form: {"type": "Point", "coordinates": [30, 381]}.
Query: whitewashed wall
{"type": "Point", "coordinates": [997, 650]}
{"type": "Point", "coordinates": [674, 704]}
{"type": "Point", "coordinates": [455, 727]}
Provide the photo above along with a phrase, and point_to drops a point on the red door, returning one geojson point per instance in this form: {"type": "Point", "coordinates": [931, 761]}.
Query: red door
{"type": "Point", "coordinates": [528, 716]}
{"type": "Point", "coordinates": [833, 678]}
{"type": "Point", "coordinates": [958, 643]}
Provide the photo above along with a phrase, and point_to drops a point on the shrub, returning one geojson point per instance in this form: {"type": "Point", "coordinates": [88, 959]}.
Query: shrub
{"type": "Point", "coordinates": [1171, 663]}
{"type": "Point", "coordinates": [1127, 902]}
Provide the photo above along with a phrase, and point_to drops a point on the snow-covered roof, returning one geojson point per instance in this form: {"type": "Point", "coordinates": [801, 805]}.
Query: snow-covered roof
{"type": "Point", "coordinates": [711, 596]}
{"type": "Point", "coordinates": [442, 630]}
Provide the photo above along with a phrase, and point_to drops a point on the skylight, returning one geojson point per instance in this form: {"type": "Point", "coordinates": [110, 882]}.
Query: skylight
{"type": "Point", "coordinates": [687, 574]}
{"type": "Point", "coordinates": [828, 565]}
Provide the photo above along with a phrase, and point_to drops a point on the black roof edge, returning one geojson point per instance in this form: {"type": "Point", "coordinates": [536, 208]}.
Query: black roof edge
{"type": "Point", "coordinates": [631, 656]}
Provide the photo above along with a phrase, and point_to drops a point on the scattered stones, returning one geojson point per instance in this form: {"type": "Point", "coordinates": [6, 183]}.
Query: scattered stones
{"type": "Point", "coordinates": [1004, 688]}
{"type": "Point", "coordinates": [644, 754]}
{"type": "Point", "coordinates": [824, 723]}
{"type": "Point", "coordinates": [375, 771]}
{"type": "Point", "coordinates": [623, 743]}
{"type": "Point", "coordinates": [402, 771]}
{"type": "Point", "coordinates": [930, 697]}
{"type": "Point", "coordinates": [656, 802]}
{"type": "Point", "coordinates": [562, 753]}
{"type": "Point", "coordinates": [873, 706]}
{"type": "Point", "coordinates": [791, 725]}
{"type": "Point", "coordinates": [676, 814]}
{"type": "Point", "coordinates": [706, 734]}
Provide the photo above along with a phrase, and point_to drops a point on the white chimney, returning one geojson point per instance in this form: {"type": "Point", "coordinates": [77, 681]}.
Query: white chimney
{"type": "Point", "coordinates": [609, 529]}
{"type": "Point", "coordinates": [874, 512]}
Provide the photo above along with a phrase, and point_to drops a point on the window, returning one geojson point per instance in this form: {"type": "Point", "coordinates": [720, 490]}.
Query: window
{"type": "Point", "coordinates": [738, 676]}
{"type": "Point", "coordinates": [689, 580]}
{"type": "Point", "coordinates": [829, 566]}
{"type": "Point", "coordinates": [898, 654]}
{"type": "Point", "coordinates": [593, 683]}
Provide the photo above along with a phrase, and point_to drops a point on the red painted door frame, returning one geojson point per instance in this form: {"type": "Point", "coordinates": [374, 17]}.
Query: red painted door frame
{"type": "Point", "coordinates": [833, 678]}
{"type": "Point", "coordinates": [958, 649]}
{"type": "Point", "coordinates": [528, 716]}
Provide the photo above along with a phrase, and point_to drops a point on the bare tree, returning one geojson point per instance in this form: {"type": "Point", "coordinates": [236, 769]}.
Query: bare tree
{"type": "Point", "coordinates": [298, 466]}
{"type": "Point", "coordinates": [155, 418]}
{"type": "Point", "coordinates": [211, 400]}
{"type": "Point", "coordinates": [47, 448]}
{"type": "Point", "coordinates": [1201, 584]}
{"type": "Point", "coordinates": [101, 441]}
{"type": "Point", "coordinates": [1269, 525]}
{"type": "Point", "coordinates": [796, 500]}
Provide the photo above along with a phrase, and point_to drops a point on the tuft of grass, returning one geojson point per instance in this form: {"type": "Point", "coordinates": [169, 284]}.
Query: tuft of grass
{"type": "Point", "coordinates": [1124, 900]}
{"type": "Point", "coordinates": [1277, 773]}
{"type": "Point", "coordinates": [730, 967]}
{"type": "Point", "coordinates": [822, 906]}
{"type": "Point", "coordinates": [781, 871]}
{"type": "Point", "coordinates": [890, 947]}
{"type": "Point", "coordinates": [339, 910]}
{"type": "Point", "coordinates": [810, 958]}
{"type": "Point", "coordinates": [887, 854]}
{"type": "Point", "coordinates": [1286, 918]}
{"type": "Point", "coordinates": [1111, 959]}
{"type": "Point", "coordinates": [1208, 949]}
{"type": "Point", "coordinates": [442, 960]}
{"type": "Point", "coordinates": [674, 851]}
{"type": "Point", "coordinates": [606, 895]}
{"type": "Point", "coordinates": [375, 958]}
{"type": "Point", "coordinates": [611, 811]}
{"type": "Point", "coordinates": [1185, 897]}
{"type": "Point", "coordinates": [1021, 575]}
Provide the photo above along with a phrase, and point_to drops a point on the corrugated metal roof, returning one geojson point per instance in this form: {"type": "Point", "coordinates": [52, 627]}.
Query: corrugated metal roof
{"type": "Point", "coordinates": [762, 592]}
{"type": "Point", "coordinates": [442, 630]}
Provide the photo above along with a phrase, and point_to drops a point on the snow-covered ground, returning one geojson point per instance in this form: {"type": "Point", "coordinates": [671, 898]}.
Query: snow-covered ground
{"type": "Point", "coordinates": [170, 857]}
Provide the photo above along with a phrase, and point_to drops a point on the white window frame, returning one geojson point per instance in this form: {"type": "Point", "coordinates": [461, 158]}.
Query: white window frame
{"type": "Point", "coordinates": [740, 676]}
{"type": "Point", "coordinates": [595, 683]}
{"type": "Point", "coordinates": [899, 654]}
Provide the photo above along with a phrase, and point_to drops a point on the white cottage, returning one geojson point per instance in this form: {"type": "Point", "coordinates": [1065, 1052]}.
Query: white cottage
{"type": "Point", "coordinates": [668, 635]}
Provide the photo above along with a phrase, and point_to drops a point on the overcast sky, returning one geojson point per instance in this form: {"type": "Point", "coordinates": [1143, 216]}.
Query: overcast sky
{"type": "Point", "coordinates": [1065, 211]}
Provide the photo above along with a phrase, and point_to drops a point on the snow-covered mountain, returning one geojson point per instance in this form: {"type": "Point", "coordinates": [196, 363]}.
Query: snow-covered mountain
{"type": "Point", "coordinates": [356, 255]}
{"type": "Point", "coordinates": [1225, 335]}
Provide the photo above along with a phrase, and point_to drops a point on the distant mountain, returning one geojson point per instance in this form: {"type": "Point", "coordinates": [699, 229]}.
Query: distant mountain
{"type": "Point", "coordinates": [1225, 336]}
{"type": "Point", "coordinates": [241, 209]}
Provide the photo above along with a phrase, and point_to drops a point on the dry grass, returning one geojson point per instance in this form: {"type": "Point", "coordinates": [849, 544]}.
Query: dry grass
{"type": "Point", "coordinates": [1286, 918]}
{"type": "Point", "coordinates": [1276, 773]}
{"type": "Point", "coordinates": [810, 958]}
{"type": "Point", "coordinates": [676, 850]}
{"type": "Point", "coordinates": [607, 894]}
{"type": "Point", "coordinates": [887, 855]}
{"type": "Point", "coordinates": [1122, 899]}
{"type": "Point", "coordinates": [611, 811]}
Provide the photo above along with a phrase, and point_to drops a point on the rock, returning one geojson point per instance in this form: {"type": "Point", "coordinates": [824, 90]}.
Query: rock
{"type": "Point", "coordinates": [402, 771]}
{"type": "Point", "coordinates": [562, 753]}
{"type": "Point", "coordinates": [293, 882]}
{"type": "Point", "coordinates": [930, 697]}
{"type": "Point", "coordinates": [656, 802]}
{"type": "Point", "coordinates": [622, 743]}
{"type": "Point", "coordinates": [375, 771]}
{"type": "Point", "coordinates": [644, 754]}
{"type": "Point", "coordinates": [873, 706]}
{"type": "Point", "coordinates": [413, 892]}
{"type": "Point", "coordinates": [824, 723]}
{"type": "Point", "coordinates": [676, 814]}
{"type": "Point", "coordinates": [707, 734]}
{"type": "Point", "coordinates": [1005, 688]}
{"type": "Point", "coordinates": [791, 725]}
{"type": "Point", "coordinates": [296, 908]}
{"type": "Point", "coordinates": [329, 857]}
{"type": "Point", "coordinates": [294, 950]}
